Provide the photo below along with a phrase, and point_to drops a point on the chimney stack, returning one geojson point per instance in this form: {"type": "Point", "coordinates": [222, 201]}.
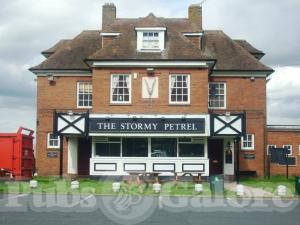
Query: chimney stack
{"type": "Point", "coordinates": [109, 14]}
{"type": "Point", "coordinates": [195, 15]}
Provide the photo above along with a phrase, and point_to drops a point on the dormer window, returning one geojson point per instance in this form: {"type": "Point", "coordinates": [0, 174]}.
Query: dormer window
{"type": "Point", "coordinates": [151, 39]}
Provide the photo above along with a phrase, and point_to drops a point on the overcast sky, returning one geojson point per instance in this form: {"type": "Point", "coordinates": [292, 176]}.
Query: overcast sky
{"type": "Point", "coordinates": [28, 27]}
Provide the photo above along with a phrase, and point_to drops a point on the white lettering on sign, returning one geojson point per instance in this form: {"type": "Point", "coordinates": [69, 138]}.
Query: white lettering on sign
{"type": "Point", "coordinates": [139, 126]}
{"type": "Point", "coordinates": [180, 126]}
{"type": "Point", "coordinates": [106, 126]}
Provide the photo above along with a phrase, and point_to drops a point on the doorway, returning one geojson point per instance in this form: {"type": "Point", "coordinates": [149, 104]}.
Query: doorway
{"type": "Point", "coordinates": [84, 155]}
{"type": "Point", "coordinates": [215, 155]}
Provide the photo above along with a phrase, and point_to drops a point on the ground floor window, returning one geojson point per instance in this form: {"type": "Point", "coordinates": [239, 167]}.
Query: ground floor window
{"type": "Point", "coordinates": [163, 147]}
{"type": "Point", "coordinates": [135, 147]}
{"type": "Point", "coordinates": [53, 141]}
{"type": "Point", "coordinates": [191, 150]}
{"type": "Point", "coordinates": [148, 147]}
{"type": "Point", "coordinates": [248, 142]}
{"type": "Point", "coordinates": [289, 149]}
{"type": "Point", "coordinates": [110, 147]}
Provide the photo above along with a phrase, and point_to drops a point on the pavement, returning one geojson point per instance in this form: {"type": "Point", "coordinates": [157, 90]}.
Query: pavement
{"type": "Point", "coordinates": [250, 191]}
{"type": "Point", "coordinates": [52, 209]}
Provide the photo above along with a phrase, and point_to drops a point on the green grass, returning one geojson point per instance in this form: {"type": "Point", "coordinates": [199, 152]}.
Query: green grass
{"type": "Point", "coordinates": [102, 187]}
{"type": "Point", "coordinates": [271, 184]}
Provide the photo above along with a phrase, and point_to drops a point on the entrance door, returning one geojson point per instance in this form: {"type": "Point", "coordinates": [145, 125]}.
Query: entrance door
{"type": "Point", "coordinates": [215, 155]}
{"type": "Point", "coordinates": [84, 155]}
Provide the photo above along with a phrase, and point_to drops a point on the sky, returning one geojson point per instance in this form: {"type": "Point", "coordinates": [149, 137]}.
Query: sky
{"type": "Point", "coordinates": [28, 27]}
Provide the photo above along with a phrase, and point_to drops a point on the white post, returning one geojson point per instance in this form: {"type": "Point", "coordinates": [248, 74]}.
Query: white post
{"type": "Point", "coordinates": [72, 156]}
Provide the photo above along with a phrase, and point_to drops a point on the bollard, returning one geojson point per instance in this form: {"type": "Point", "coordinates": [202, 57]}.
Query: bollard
{"type": "Point", "coordinates": [240, 190]}
{"type": "Point", "coordinates": [116, 186]}
{"type": "Point", "coordinates": [156, 187]}
{"type": "Point", "coordinates": [75, 184]}
{"type": "Point", "coordinates": [281, 190]}
{"type": "Point", "coordinates": [199, 188]}
{"type": "Point", "coordinates": [33, 184]}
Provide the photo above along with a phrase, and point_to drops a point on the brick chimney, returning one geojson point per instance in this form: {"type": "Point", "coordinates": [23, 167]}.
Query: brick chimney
{"type": "Point", "coordinates": [195, 15]}
{"type": "Point", "coordinates": [109, 14]}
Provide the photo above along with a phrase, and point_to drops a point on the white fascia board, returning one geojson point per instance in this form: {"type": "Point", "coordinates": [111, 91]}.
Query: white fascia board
{"type": "Point", "coordinates": [151, 64]}
{"type": "Point", "coordinates": [150, 28]}
{"type": "Point", "coordinates": [109, 34]}
{"type": "Point", "coordinates": [60, 73]}
{"type": "Point", "coordinates": [239, 74]}
{"type": "Point", "coordinates": [193, 34]}
{"type": "Point", "coordinates": [187, 116]}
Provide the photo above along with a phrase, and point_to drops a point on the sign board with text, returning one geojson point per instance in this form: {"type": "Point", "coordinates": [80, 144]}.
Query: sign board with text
{"type": "Point", "coordinates": [147, 125]}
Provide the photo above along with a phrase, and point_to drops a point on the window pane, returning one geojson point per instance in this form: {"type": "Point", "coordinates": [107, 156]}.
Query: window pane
{"type": "Point", "coordinates": [163, 147]}
{"type": "Point", "coordinates": [135, 147]}
{"type": "Point", "coordinates": [179, 88]}
{"type": "Point", "coordinates": [108, 149]}
{"type": "Point", "coordinates": [191, 150]}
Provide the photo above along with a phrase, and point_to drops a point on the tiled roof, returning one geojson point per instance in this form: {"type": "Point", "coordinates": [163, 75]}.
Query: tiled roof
{"type": "Point", "coordinates": [230, 54]}
{"type": "Point", "coordinates": [72, 55]}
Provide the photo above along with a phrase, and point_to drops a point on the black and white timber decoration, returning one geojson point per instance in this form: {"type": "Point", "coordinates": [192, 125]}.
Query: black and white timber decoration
{"type": "Point", "coordinates": [71, 123]}
{"type": "Point", "coordinates": [228, 124]}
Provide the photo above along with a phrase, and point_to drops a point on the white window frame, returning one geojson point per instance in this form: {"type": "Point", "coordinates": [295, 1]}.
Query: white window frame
{"type": "Point", "coordinates": [129, 87]}
{"type": "Point", "coordinates": [83, 82]}
{"type": "Point", "coordinates": [268, 149]}
{"type": "Point", "coordinates": [161, 38]}
{"type": "Point", "coordinates": [188, 86]}
{"type": "Point", "coordinates": [253, 143]}
{"type": "Point", "coordinates": [291, 148]}
{"type": "Point", "coordinates": [52, 146]}
{"type": "Point", "coordinates": [225, 96]}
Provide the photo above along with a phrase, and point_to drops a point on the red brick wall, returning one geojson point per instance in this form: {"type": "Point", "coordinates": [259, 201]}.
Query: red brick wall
{"type": "Point", "coordinates": [244, 95]}
{"type": "Point", "coordinates": [280, 138]}
{"type": "Point", "coordinates": [199, 93]}
{"type": "Point", "coordinates": [61, 95]}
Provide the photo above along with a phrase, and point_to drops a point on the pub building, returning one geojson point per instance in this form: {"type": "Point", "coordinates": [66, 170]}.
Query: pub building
{"type": "Point", "coordinates": [151, 94]}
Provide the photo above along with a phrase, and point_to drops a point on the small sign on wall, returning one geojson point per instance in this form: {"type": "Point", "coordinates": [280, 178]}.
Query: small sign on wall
{"type": "Point", "coordinates": [150, 87]}
{"type": "Point", "coordinates": [249, 156]}
{"type": "Point", "coordinates": [52, 154]}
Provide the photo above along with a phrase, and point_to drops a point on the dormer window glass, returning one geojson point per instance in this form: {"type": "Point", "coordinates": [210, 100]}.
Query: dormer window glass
{"type": "Point", "coordinates": [151, 39]}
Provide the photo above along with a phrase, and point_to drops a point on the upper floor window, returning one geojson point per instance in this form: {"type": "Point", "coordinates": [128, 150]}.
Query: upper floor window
{"type": "Point", "coordinates": [179, 89]}
{"type": "Point", "coordinates": [248, 142]}
{"type": "Point", "coordinates": [151, 39]}
{"type": "Point", "coordinates": [217, 95]}
{"type": "Point", "coordinates": [53, 141]}
{"type": "Point", "coordinates": [120, 88]}
{"type": "Point", "coordinates": [84, 95]}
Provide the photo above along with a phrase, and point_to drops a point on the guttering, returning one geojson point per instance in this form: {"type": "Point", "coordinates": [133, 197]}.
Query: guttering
{"type": "Point", "coordinates": [109, 34]}
{"type": "Point", "coordinates": [283, 127]}
{"type": "Point", "coordinates": [62, 72]}
{"type": "Point", "coordinates": [193, 34]}
{"type": "Point", "coordinates": [241, 73]}
{"type": "Point", "coordinates": [155, 64]}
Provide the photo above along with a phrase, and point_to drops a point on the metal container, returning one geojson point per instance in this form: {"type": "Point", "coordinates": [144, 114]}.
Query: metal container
{"type": "Point", "coordinates": [16, 150]}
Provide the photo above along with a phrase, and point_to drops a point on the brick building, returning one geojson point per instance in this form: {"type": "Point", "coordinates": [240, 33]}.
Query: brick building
{"type": "Point", "coordinates": [285, 137]}
{"type": "Point", "coordinates": [151, 94]}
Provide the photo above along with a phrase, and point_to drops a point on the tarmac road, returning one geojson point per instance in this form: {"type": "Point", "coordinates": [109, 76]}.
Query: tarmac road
{"type": "Point", "coordinates": [54, 209]}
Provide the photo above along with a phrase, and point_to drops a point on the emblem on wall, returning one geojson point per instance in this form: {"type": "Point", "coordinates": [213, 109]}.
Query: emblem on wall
{"type": "Point", "coordinates": [228, 124]}
{"type": "Point", "coordinates": [150, 87]}
{"type": "Point", "coordinates": [70, 123]}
